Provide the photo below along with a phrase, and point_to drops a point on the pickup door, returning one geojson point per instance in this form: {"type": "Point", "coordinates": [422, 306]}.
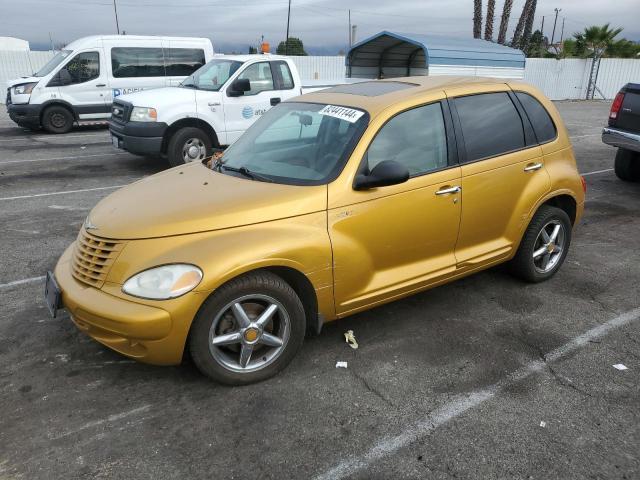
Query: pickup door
{"type": "Point", "coordinates": [629, 114]}
{"type": "Point", "coordinates": [271, 83]}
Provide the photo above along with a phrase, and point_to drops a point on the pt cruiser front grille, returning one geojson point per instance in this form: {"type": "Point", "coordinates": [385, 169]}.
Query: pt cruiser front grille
{"type": "Point", "coordinates": [93, 257]}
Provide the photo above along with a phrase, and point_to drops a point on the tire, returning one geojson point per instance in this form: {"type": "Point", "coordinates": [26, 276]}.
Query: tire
{"type": "Point", "coordinates": [627, 165]}
{"type": "Point", "coordinates": [57, 119]}
{"type": "Point", "coordinates": [543, 266]}
{"type": "Point", "coordinates": [183, 144]}
{"type": "Point", "coordinates": [216, 321]}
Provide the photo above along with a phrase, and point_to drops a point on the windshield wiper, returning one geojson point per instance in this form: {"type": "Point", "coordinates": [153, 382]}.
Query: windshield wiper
{"type": "Point", "coordinates": [244, 171]}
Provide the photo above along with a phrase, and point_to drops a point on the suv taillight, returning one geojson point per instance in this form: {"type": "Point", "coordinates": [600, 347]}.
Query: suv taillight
{"type": "Point", "coordinates": [615, 106]}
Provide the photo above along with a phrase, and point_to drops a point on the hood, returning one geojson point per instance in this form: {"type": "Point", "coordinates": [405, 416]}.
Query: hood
{"type": "Point", "coordinates": [18, 81]}
{"type": "Point", "coordinates": [193, 198]}
{"type": "Point", "coordinates": [159, 97]}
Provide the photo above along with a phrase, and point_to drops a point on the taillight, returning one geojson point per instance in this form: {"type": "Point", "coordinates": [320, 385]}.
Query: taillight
{"type": "Point", "coordinates": [584, 184]}
{"type": "Point", "coordinates": [615, 106]}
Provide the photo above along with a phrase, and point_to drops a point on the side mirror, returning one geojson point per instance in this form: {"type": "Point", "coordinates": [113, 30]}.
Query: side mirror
{"type": "Point", "coordinates": [65, 77]}
{"type": "Point", "coordinates": [387, 172]}
{"type": "Point", "coordinates": [238, 87]}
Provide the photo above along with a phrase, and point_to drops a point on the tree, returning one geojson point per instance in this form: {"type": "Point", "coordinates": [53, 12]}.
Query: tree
{"type": "Point", "coordinates": [293, 46]}
{"type": "Point", "coordinates": [597, 39]}
{"type": "Point", "coordinates": [477, 18]}
{"type": "Point", "coordinates": [504, 21]}
{"type": "Point", "coordinates": [623, 48]}
{"type": "Point", "coordinates": [528, 25]}
{"type": "Point", "coordinates": [517, 34]}
{"type": "Point", "coordinates": [537, 46]}
{"type": "Point", "coordinates": [252, 50]}
{"type": "Point", "coordinates": [488, 26]}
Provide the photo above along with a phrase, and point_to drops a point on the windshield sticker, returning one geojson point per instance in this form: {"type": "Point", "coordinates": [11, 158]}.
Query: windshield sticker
{"type": "Point", "coordinates": [351, 115]}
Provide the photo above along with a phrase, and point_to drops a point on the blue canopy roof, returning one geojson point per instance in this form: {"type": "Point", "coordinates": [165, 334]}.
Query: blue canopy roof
{"type": "Point", "coordinates": [396, 48]}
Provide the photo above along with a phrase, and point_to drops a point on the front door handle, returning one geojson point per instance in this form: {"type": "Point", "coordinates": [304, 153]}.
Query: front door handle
{"type": "Point", "coordinates": [447, 190]}
{"type": "Point", "coordinates": [275, 101]}
{"type": "Point", "coordinates": [532, 167]}
{"type": "Point", "coordinates": [101, 85]}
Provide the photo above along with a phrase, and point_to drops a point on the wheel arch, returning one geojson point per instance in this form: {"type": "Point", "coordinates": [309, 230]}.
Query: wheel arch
{"type": "Point", "coordinates": [57, 103]}
{"type": "Point", "coordinates": [564, 202]}
{"type": "Point", "coordinates": [189, 122]}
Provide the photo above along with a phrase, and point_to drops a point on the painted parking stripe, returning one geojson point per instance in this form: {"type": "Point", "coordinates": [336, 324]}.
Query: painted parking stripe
{"type": "Point", "coordinates": [52, 137]}
{"type": "Point", "coordinates": [62, 193]}
{"type": "Point", "coordinates": [597, 171]}
{"type": "Point", "coordinates": [449, 411]}
{"type": "Point", "coordinates": [64, 158]}
{"type": "Point", "coordinates": [21, 282]}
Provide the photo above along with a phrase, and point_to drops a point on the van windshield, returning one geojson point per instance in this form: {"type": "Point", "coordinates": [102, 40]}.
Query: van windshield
{"type": "Point", "coordinates": [297, 144]}
{"type": "Point", "coordinates": [212, 75]}
{"type": "Point", "coordinates": [53, 63]}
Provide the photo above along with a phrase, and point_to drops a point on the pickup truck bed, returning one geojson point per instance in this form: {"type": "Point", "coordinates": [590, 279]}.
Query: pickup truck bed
{"type": "Point", "coordinates": [623, 131]}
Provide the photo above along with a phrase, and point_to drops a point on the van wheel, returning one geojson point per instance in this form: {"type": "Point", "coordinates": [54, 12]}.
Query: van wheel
{"type": "Point", "coordinates": [627, 165]}
{"type": "Point", "coordinates": [57, 119]}
{"type": "Point", "coordinates": [248, 330]}
{"type": "Point", "coordinates": [187, 145]}
{"type": "Point", "coordinates": [544, 245]}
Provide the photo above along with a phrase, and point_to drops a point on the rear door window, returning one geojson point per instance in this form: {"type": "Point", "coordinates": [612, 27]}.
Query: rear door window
{"type": "Point", "coordinates": [540, 119]}
{"type": "Point", "coordinates": [283, 74]}
{"type": "Point", "coordinates": [491, 125]}
{"type": "Point", "coordinates": [127, 62]}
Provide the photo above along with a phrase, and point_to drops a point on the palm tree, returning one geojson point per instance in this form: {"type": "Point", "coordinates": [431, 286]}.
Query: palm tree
{"type": "Point", "coordinates": [488, 26]}
{"type": "Point", "coordinates": [517, 34]}
{"type": "Point", "coordinates": [477, 18]}
{"type": "Point", "coordinates": [528, 25]}
{"type": "Point", "coordinates": [597, 39]}
{"type": "Point", "coordinates": [504, 21]}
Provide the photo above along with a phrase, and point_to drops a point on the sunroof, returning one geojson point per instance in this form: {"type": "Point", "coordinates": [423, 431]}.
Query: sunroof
{"type": "Point", "coordinates": [370, 89]}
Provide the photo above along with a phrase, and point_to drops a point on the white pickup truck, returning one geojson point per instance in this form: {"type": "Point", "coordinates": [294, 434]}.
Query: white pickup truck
{"type": "Point", "coordinates": [209, 109]}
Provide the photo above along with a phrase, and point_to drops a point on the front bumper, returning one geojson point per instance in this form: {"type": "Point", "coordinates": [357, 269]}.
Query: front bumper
{"type": "Point", "coordinates": [25, 115]}
{"type": "Point", "coordinates": [140, 138]}
{"type": "Point", "coordinates": [147, 333]}
{"type": "Point", "coordinates": [621, 139]}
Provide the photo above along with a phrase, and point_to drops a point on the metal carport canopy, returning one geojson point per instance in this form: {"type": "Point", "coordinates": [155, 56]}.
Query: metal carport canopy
{"type": "Point", "coordinates": [393, 49]}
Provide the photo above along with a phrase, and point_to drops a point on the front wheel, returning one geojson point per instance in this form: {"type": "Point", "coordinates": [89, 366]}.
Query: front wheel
{"type": "Point", "coordinates": [544, 245]}
{"type": "Point", "coordinates": [248, 330]}
{"type": "Point", "coordinates": [627, 165]}
{"type": "Point", "coordinates": [188, 145]}
{"type": "Point", "coordinates": [57, 119]}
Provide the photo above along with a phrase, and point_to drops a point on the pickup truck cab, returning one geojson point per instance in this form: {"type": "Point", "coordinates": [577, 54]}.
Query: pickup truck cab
{"type": "Point", "coordinates": [623, 132]}
{"type": "Point", "coordinates": [209, 109]}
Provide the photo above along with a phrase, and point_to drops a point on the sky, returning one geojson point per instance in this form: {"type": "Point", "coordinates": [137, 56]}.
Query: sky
{"type": "Point", "coordinates": [321, 24]}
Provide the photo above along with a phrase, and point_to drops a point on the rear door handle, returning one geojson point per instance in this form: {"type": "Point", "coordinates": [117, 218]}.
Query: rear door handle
{"type": "Point", "coordinates": [101, 85]}
{"type": "Point", "coordinates": [447, 190]}
{"type": "Point", "coordinates": [275, 101]}
{"type": "Point", "coordinates": [532, 167]}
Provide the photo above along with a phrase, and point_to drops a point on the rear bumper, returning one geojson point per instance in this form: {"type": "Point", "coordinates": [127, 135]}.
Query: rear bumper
{"type": "Point", "coordinates": [141, 138]}
{"type": "Point", "coordinates": [146, 333]}
{"type": "Point", "coordinates": [25, 115]}
{"type": "Point", "coordinates": [621, 139]}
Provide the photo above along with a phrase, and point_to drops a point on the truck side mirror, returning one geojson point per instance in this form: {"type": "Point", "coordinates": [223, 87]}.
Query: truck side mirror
{"type": "Point", "coordinates": [60, 79]}
{"type": "Point", "coordinates": [238, 87]}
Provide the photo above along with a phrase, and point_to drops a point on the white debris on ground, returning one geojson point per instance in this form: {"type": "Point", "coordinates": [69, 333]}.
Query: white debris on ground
{"type": "Point", "coordinates": [341, 364]}
{"type": "Point", "coordinates": [620, 366]}
{"type": "Point", "coordinates": [350, 338]}
{"type": "Point", "coordinates": [543, 424]}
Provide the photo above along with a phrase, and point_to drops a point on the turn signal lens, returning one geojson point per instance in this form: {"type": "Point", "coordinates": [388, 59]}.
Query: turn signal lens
{"type": "Point", "coordinates": [584, 184]}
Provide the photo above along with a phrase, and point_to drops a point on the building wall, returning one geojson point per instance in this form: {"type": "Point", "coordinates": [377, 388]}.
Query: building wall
{"type": "Point", "coordinates": [15, 64]}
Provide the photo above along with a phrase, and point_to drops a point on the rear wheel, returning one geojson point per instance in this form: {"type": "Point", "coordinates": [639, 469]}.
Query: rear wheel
{"type": "Point", "coordinates": [248, 330]}
{"type": "Point", "coordinates": [544, 245]}
{"type": "Point", "coordinates": [57, 119]}
{"type": "Point", "coordinates": [187, 145]}
{"type": "Point", "coordinates": [627, 165]}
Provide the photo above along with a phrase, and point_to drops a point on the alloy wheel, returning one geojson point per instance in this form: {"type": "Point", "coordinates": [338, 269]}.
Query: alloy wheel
{"type": "Point", "coordinates": [549, 246]}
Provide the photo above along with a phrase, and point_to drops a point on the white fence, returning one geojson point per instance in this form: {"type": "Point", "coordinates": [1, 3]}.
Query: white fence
{"type": "Point", "coordinates": [559, 79]}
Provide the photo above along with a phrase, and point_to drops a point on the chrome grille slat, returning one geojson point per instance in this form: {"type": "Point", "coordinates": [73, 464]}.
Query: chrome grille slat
{"type": "Point", "coordinates": [92, 258]}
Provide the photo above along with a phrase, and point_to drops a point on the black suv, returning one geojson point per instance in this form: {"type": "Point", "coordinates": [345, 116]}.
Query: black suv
{"type": "Point", "coordinates": [624, 132]}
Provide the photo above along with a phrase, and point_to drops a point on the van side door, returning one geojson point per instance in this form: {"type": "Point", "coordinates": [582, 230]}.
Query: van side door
{"type": "Point", "coordinates": [88, 90]}
{"type": "Point", "coordinates": [503, 174]}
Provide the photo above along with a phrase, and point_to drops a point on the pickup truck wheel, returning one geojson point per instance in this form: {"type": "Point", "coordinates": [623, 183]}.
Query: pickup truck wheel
{"type": "Point", "coordinates": [627, 166]}
{"type": "Point", "coordinates": [544, 245]}
{"type": "Point", "coordinates": [57, 119]}
{"type": "Point", "coordinates": [248, 330]}
{"type": "Point", "coordinates": [187, 145]}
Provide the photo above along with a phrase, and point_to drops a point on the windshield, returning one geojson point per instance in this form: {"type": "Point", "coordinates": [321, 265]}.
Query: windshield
{"type": "Point", "coordinates": [298, 143]}
{"type": "Point", "coordinates": [212, 75]}
{"type": "Point", "coordinates": [53, 63]}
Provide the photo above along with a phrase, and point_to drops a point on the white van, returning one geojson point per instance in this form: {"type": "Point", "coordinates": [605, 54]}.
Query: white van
{"type": "Point", "coordinates": [81, 81]}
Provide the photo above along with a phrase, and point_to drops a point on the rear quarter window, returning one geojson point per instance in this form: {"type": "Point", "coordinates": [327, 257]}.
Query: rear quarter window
{"type": "Point", "coordinates": [491, 125]}
{"type": "Point", "coordinates": [540, 119]}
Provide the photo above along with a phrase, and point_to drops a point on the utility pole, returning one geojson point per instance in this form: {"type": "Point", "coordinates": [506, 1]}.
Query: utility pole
{"type": "Point", "coordinates": [51, 41]}
{"type": "Point", "coordinates": [350, 37]}
{"type": "Point", "coordinates": [286, 42]}
{"type": "Point", "coordinates": [562, 30]}
{"type": "Point", "coordinates": [542, 27]}
{"type": "Point", "coordinates": [553, 34]}
{"type": "Point", "coordinates": [115, 10]}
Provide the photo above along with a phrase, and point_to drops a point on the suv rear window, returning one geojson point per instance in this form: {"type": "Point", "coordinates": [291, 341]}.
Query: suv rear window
{"type": "Point", "coordinates": [491, 125]}
{"type": "Point", "coordinates": [542, 124]}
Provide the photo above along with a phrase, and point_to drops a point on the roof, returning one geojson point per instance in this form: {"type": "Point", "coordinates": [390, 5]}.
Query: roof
{"type": "Point", "coordinates": [12, 43]}
{"type": "Point", "coordinates": [437, 50]}
{"type": "Point", "coordinates": [374, 104]}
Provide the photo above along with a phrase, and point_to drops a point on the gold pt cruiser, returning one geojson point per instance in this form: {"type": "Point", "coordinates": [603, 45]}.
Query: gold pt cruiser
{"type": "Point", "coordinates": [330, 204]}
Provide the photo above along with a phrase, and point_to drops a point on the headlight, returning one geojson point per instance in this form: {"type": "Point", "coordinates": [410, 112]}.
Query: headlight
{"type": "Point", "coordinates": [144, 114]}
{"type": "Point", "coordinates": [24, 88]}
{"type": "Point", "coordinates": [161, 283]}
